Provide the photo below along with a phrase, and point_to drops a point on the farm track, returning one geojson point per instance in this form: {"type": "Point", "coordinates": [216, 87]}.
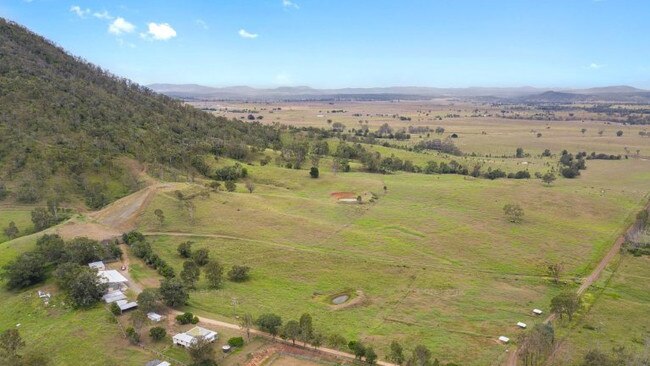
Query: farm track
{"type": "Point", "coordinates": [589, 280]}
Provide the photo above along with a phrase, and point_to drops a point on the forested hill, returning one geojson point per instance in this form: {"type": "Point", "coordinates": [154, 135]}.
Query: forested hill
{"type": "Point", "coordinates": [63, 121]}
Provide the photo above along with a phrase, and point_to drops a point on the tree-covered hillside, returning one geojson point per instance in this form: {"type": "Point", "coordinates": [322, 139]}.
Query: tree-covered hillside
{"type": "Point", "coordinates": [64, 121]}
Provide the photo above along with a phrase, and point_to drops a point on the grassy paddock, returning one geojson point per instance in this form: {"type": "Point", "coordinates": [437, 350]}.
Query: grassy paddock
{"type": "Point", "coordinates": [434, 258]}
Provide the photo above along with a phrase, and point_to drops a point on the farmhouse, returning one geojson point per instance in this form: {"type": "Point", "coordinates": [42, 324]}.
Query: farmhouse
{"type": "Point", "coordinates": [113, 278]}
{"type": "Point", "coordinates": [99, 265]}
{"type": "Point", "coordinates": [188, 338]}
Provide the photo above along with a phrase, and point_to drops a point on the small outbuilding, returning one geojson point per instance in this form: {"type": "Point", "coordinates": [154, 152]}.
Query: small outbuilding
{"type": "Point", "coordinates": [537, 312]}
{"type": "Point", "coordinates": [126, 305]}
{"type": "Point", "coordinates": [114, 296]}
{"type": "Point", "coordinates": [504, 339]}
{"type": "Point", "coordinates": [154, 317]}
{"type": "Point", "coordinates": [99, 265]}
{"type": "Point", "coordinates": [521, 325]}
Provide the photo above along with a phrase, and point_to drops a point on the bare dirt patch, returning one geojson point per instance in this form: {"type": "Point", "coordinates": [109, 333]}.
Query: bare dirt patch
{"type": "Point", "coordinates": [343, 195]}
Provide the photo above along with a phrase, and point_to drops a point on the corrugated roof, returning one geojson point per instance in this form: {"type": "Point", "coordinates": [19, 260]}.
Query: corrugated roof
{"type": "Point", "coordinates": [111, 276]}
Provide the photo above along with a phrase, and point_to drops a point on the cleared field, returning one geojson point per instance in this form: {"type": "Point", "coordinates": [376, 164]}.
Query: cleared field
{"type": "Point", "coordinates": [433, 257]}
{"type": "Point", "coordinates": [478, 126]}
{"type": "Point", "coordinates": [66, 336]}
{"type": "Point", "coordinates": [618, 316]}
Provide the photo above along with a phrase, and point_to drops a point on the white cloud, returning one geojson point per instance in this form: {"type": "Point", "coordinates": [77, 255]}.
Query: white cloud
{"type": "Point", "coordinates": [245, 34]}
{"type": "Point", "coordinates": [159, 32]}
{"type": "Point", "coordinates": [595, 66]}
{"type": "Point", "coordinates": [201, 23]}
{"type": "Point", "coordinates": [81, 13]}
{"type": "Point", "coordinates": [120, 26]}
{"type": "Point", "coordinates": [290, 4]}
{"type": "Point", "coordinates": [102, 15]}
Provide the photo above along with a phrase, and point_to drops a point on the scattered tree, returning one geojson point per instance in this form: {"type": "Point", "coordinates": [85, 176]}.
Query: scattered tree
{"type": "Point", "coordinates": [157, 333]}
{"type": "Point", "coordinates": [336, 341]}
{"type": "Point", "coordinates": [201, 257]}
{"type": "Point", "coordinates": [548, 178]}
{"type": "Point", "coordinates": [230, 186]}
{"type": "Point", "coordinates": [132, 335]}
{"type": "Point", "coordinates": [250, 186]}
{"type": "Point", "coordinates": [291, 331]}
{"type": "Point", "coordinates": [11, 231]}
{"type": "Point", "coordinates": [269, 323]}
{"type": "Point", "coordinates": [371, 356]}
{"type": "Point", "coordinates": [26, 270]}
{"type": "Point", "coordinates": [115, 309]}
{"type": "Point", "coordinates": [148, 299]}
{"type": "Point", "coordinates": [160, 216]}
{"type": "Point", "coordinates": [536, 344]}
{"type": "Point", "coordinates": [358, 349]}
{"type": "Point", "coordinates": [313, 172]}
{"type": "Point", "coordinates": [190, 273]}
{"type": "Point", "coordinates": [396, 355]}
{"type": "Point", "coordinates": [173, 292]}
{"type": "Point", "coordinates": [185, 249]}
{"type": "Point", "coordinates": [566, 303]}
{"type": "Point", "coordinates": [10, 343]}
{"type": "Point", "coordinates": [239, 273]}
{"type": "Point", "coordinates": [619, 133]}
{"type": "Point", "coordinates": [421, 356]}
{"type": "Point", "coordinates": [201, 352]}
{"type": "Point", "coordinates": [246, 322]}
{"type": "Point", "coordinates": [214, 274]}
{"type": "Point", "coordinates": [555, 270]}
{"type": "Point", "coordinates": [520, 152]}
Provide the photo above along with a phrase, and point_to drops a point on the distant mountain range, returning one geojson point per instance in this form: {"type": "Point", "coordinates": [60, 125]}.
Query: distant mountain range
{"type": "Point", "coordinates": [518, 94]}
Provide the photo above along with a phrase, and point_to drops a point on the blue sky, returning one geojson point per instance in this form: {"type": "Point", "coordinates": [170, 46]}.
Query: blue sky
{"type": "Point", "coordinates": [341, 43]}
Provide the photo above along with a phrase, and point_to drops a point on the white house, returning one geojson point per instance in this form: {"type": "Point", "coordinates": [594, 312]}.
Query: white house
{"type": "Point", "coordinates": [504, 339]}
{"type": "Point", "coordinates": [113, 278]}
{"type": "Point", "coordinates": [188, 338]}
{"type": "Point", "coordinates": [537, 312]}
{"type": "Point", "coordinates": [99, 265]}
{"type": "Point", "coordinates": [183, 339]}
{"type": "Point", "coordinates": [521, 325]}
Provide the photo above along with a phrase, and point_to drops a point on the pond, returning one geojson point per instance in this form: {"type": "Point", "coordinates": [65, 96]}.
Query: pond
{"type": "Point", "coordinates": [340, 299]}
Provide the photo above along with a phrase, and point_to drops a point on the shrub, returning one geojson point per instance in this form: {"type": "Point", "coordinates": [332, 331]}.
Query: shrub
{"type": "Point", "coordinates": [185, 249]}
{"type": "Point", "coordinates": [157, 333]}
{"type": "Point", "coordinates": [239, 273]}
{"type": "Point", "coordinates": [187, 318]}
{"type": "Point", "coordinates": [313, 172]}
{"type": "Point", "coordinates": [132, 335]}
{"type": "Point", "coordinates": [115, 309]}
{"type": "Point", "coordinates": [230, 186]}
{"type": "Point", "coordinates": [236, 342]}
